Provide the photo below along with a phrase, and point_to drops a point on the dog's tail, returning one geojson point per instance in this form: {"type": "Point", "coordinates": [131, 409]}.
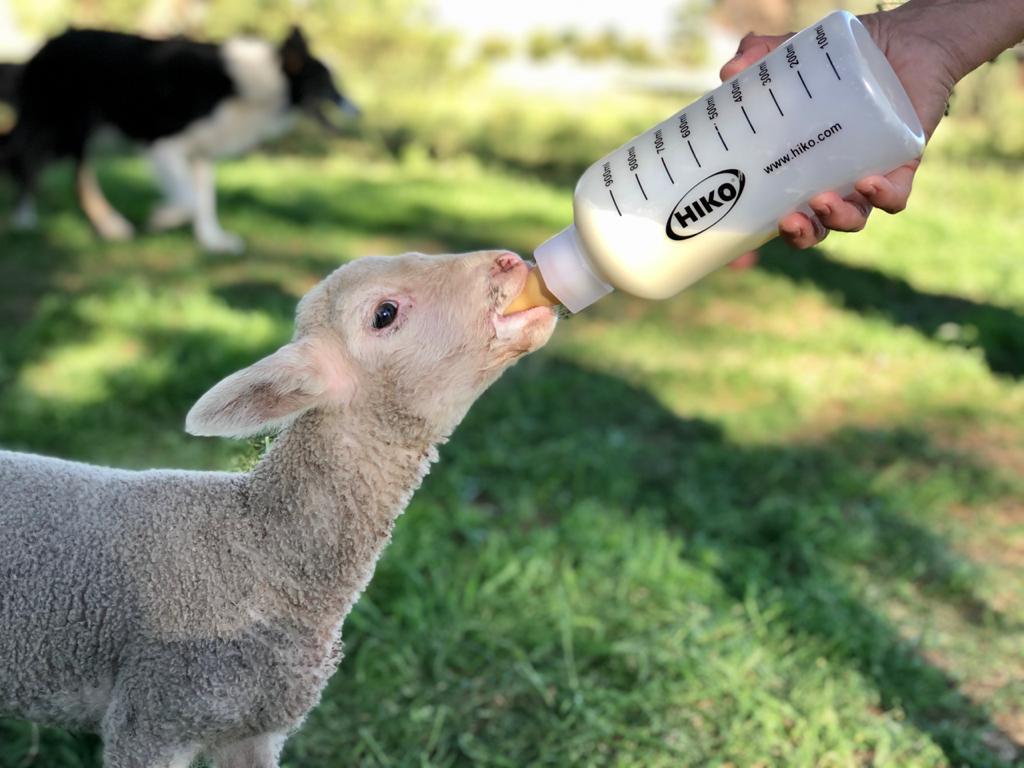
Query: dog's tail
{"type": "Point", "coordinates": [10, 74]}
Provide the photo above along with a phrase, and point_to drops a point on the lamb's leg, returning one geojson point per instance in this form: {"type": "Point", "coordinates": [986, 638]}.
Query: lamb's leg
{"type": "Point", "coordinates": [109, 224]}
{"type": "Point", "coordinates": [258, 752]}
{"type": "Point", "coordinates": [207, 227]}
{"type": "Point", "coordinates": [170, 161]}
{"type": "Point", "coordinates": [133, 739]}
{"type": "Point", "coordinates": [142, 754]}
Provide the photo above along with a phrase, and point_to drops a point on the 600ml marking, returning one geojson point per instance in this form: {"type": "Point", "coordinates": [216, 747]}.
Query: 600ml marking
{"type": "Point", "coordinates": [705, 204]}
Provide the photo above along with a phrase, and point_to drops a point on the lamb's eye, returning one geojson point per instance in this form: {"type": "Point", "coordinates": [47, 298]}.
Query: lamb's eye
{"type": "Point", "coordinates": [385, 314]}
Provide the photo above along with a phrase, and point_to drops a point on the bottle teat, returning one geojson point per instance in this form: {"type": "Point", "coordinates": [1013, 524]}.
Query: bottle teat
{"type": "Point", "coordinates": [567, 272]}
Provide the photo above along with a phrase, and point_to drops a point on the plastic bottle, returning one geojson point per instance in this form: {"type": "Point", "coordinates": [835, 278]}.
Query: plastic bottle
{"type": "Point", "coordinates": [662, 211]}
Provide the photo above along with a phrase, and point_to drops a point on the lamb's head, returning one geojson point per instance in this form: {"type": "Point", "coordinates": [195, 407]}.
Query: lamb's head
{"type": "Point", "coordinates": [410, 337]}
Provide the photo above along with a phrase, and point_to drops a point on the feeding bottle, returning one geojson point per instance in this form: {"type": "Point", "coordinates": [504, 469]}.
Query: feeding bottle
{"type": "Point", "coordinates": [663, 210]}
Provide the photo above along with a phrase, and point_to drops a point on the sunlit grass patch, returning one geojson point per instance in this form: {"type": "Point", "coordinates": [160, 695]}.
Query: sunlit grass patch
{"type": "Point", "coordinates": [772, 521]}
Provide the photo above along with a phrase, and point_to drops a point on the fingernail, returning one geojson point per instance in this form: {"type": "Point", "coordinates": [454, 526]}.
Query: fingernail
{"type": "Point", "coordinates": [822, 209]}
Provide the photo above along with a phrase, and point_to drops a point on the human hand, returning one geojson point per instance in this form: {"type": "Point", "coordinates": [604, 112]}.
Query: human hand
{"type": "Point", "coordinates": [928, 70]}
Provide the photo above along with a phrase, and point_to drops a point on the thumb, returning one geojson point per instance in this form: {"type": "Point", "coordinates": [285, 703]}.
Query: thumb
{"type": "Point", "coordinates": [752, 47]}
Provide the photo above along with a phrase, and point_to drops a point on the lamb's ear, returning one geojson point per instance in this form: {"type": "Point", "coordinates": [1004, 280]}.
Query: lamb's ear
{"type": "Point", "coordinates": [270, 393]}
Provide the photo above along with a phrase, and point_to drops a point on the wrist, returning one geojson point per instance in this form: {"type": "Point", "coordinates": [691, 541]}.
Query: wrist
{"type": "Point", "coordinates": [964, 33]}
{"type": "Point", "coordinates": [935, 21]}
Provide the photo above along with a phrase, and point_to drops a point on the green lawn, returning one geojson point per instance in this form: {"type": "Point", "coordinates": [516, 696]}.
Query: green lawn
{"type": "Point", "coordinates": [778, 520]}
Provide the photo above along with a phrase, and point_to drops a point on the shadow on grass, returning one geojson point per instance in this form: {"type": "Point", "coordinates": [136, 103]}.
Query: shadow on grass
{"type": "Point", "coordinates": [999, 331]}
{"type": "Point", "coordinates": [780, 520]}
{"type": "Point", "coordinates": [784, 520]}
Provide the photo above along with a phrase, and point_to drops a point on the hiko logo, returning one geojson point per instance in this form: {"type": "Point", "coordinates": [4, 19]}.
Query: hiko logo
{"type": "Point", "coordinates": [705, 204]}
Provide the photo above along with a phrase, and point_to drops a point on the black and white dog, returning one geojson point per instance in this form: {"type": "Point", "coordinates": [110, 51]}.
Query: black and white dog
{"type": "Point", "coordinates": [188, 102]}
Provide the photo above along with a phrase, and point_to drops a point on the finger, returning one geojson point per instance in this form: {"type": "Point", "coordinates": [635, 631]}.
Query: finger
{"type": "Point", "coordinates": [802, 231]}
{"type": "Point", "coordinates": [842, 215]}
{"type": "Point", "coordinates": [752, 47]}
{"type": "Point", "coordinates": [890, 193]}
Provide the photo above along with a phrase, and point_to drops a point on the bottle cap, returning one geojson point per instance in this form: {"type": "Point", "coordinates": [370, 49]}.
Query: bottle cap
{"type": "Point", "coordinates": [567, 272]}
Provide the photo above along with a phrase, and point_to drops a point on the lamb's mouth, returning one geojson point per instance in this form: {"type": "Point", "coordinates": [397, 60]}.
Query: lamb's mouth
{"type": "Point", "coordinates": [523, 314]}
{"type": "Point", "coordinates": [519, 327]}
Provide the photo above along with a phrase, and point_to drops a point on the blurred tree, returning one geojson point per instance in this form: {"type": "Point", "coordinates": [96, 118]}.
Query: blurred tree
{"type": "Point", "coordinates": [765, 16]}
{"type": "Point", "coordinates": [637, 51]}
{"type": "Point", "coordinates": [391, 38]}
{"type": "Point", "coordinates": [542, 45]}
{"type": "Point", "coordinates": [600, 47]}
{"type": "Point", "coordinates": [495, 48]}
{"type": "Point", "coordinates": [569, 38]}
{"type": "Point", "coordinates": [42, 18]}
{"type": "Point", "coordinates": [688, 37]}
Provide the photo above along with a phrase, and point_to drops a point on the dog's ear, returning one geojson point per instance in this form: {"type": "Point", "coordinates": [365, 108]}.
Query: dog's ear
{"type": "Point", "coordinates": [271, 393]}
{"type": "Point", "coordinates": [294, 51]}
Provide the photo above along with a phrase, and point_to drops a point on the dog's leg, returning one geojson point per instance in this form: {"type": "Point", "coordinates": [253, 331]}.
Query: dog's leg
{"type": "Point", "coordinates": [25, 217]}
{"type": "Point", "coordinates": [24, 165]}
{"type": "Point", "coordinates": [207, 228]}
{"type": "Point", "coordinates": [108, 223]}
{"type": "Point", "coordinates": [170, 161]}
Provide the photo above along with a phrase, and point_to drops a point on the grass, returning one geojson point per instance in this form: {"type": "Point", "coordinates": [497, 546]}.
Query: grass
{"type": "Point", "coordinates": [778, 520]}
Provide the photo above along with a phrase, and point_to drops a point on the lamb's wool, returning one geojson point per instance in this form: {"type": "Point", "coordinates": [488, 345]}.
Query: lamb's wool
{"type": "Point", "coordinates": [185, 612]}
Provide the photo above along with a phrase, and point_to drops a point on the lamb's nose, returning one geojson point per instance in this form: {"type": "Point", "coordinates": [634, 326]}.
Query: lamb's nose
{"type": "Point", "coordinates": [506, 262]}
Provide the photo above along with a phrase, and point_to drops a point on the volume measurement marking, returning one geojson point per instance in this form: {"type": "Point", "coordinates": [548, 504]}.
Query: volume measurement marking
{"type": "Point", "coordinates": [833, 65]}
{"type": "Point", "coordinates": [692, 152]}
{"type": "Point", "coordinates": [800, 75]}
{"type": "Point", "coordinates": [781, 113]}
{"type": "Point", "coordinates": [642, 192]}
{"type": "Point", "coordinates": [744, 111]}
{"type": "Point", "coordinates": [614, 202]}
{"type": "Point", "coordinates": [721, 139]}
{"type": "Point", "coordinates": [665, 165]}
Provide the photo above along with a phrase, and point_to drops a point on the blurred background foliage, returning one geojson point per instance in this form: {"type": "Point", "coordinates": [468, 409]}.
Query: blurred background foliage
{"type": "Point", "coordinates": [427, 91]}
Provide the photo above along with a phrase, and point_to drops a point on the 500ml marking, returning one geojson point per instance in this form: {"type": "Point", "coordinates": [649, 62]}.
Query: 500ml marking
{"type": "Point", "coordinates": [712, 116]}
{"type": "Point", "coordinates": [705, 204]}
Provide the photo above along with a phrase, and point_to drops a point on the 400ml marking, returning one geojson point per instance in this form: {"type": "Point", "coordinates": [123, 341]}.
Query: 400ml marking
{"type": "Point", "coordinates": [705, 204]}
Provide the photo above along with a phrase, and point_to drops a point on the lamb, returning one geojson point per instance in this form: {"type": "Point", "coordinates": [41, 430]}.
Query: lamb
{"type": "Point", "coordinates": [180, 613]}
